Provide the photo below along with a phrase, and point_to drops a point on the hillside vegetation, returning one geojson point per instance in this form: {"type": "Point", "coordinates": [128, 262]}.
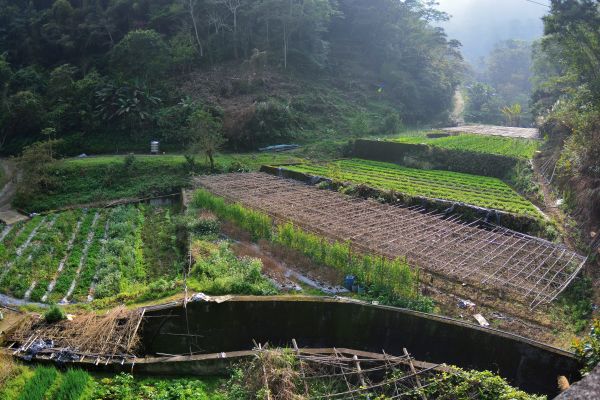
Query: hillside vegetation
{"type": "Point", "coordinates": [108, 76]}
{"type": "Point", "coordinates": [566, 100]}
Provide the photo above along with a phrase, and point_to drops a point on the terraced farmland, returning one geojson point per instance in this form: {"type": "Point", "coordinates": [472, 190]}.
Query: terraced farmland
{"type": "Point", "coordinates": [498, 145]}
{"type": "Point", "coordinates": [75, 256]}
{"type": "Point", "coordinates": [475, 190]}
{"type": "Point", "coordinates": [530, 269]}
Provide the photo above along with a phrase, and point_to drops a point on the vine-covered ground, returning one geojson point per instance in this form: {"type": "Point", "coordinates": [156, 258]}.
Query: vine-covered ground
{"type": "Point", "coordinates": [475, 190]}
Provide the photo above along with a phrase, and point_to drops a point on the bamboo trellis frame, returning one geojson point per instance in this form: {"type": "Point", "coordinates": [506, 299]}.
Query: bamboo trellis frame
{"type": "Point", "coordinates": [484, 255]}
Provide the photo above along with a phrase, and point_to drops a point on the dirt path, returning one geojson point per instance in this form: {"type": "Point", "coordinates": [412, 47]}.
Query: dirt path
{"type": "Point", "coordinates": [8, 191]}
{"type": "Point", "coordinates": [7, 213]}
{"type": "Point", "coordinates": [549, 206]}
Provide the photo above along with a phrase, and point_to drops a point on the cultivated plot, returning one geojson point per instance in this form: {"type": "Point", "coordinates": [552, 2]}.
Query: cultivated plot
{"type": "Point", "coordinates": [78, 255]}
{"type": "Point", "coordinates": [508, 131]}
{"type": "Point", "coordinates": [474, 190]}
{"type": "Point", "coordinates": [528, 268]}
{"type": "Point", "coordinates": [502, 146]}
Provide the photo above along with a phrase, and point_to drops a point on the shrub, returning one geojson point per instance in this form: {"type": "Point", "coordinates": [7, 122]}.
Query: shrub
{"type": "Point", "coordinates": [54, 314]}
{"type": "Point", "coordinates": [221, 272]}
{"type": "Point", "coordinates": [461, 384]}
{"type": "Point", "coordinates": [128, 162]}
{"type": "Point", "coordinates": [269, 122]}
{"type": "Point", "coordinates": [359, 125]}
{"type": "Point", "coordinates": [391, 124]}
{"type": "Point", "coordinates": [588, 349]}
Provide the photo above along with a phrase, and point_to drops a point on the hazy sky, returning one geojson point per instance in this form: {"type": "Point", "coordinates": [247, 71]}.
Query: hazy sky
{"type": "Point", "coordinates": [479, 24]}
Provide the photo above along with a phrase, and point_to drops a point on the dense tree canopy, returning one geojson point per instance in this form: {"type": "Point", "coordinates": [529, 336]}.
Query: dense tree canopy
{"type": "Point", "coordinates": [109, 68]}
{"type": "Point", "coordinates": [504, 83]}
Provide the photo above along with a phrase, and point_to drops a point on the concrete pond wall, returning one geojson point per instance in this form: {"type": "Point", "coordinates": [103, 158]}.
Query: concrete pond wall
{"type": "Point", "coordinates": [210, 327]}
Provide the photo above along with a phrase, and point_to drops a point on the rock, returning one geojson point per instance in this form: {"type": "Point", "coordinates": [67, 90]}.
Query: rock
{"type": "Point", "coordinates": [465, 304]}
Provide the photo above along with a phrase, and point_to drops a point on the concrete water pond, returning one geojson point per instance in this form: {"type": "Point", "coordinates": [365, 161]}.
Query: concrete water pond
{"type": "Point", "coordinates": [236, 324]}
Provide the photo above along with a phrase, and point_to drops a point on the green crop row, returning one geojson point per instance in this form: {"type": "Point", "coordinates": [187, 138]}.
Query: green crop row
{"type": "Point", "coordinates": [391, 276]}
{"type": "Point", "coordinates": [120, 266]}
{"type": "Point", "coordinates": [93, 259]}
{"type": "Point", "coordinates": [22, 250]}
{"type": "Point", "coordinates": [476, 190]}
{"type": "Point", "coordinates": [498, 145]}
{"type": "Point", "coordinates": [53, 245]}
{"type": "Point", "coordinates": [258, 224]}
{"type": "Point", "coordinates": [74, 259]}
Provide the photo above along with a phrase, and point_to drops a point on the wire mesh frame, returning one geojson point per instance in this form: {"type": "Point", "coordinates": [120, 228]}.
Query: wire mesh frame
{"type": "Point", "coordinates": [348, 375]}
{"type": "Point", "coordinates": [485, 255]}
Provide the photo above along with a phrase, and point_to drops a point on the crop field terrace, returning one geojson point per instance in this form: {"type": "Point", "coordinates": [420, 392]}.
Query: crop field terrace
{"type": "Point", "coordinates": [528, 268]}
{"type": "Point", "coordinates": [76, 256]}
{"type": "Point", "coordinates": [498, 145]}
{"type": "Point", "coordinates": [475, 190]}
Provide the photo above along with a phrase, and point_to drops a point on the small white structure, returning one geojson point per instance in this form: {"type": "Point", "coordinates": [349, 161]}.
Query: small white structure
{"type": "Point", "coordinates": [154, 147]}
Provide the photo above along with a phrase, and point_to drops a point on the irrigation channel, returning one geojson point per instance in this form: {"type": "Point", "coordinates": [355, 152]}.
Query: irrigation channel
{"type": "Point", "coordinates": [531, 270]}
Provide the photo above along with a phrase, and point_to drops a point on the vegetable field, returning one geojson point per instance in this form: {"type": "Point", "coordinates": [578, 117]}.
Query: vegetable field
{"type": "Point", "coordinates": [503, 146]}
{"type": "Point", "coordinates": [45, 383]}
{"type": "Point", "coordinates": [79, 255]}
{"type": "Point", "coordinates": [475, 190]}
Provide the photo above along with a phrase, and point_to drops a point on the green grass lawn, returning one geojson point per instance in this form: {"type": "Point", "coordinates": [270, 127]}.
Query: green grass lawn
{"type": "Point", "coordinates": [503, 146]}
{"type": "Point", "coordinates": [250, 160]}
{"type": "Point", "coordinates": [104, 178]}
{"type": "Point", "coordinates": [453, 186]}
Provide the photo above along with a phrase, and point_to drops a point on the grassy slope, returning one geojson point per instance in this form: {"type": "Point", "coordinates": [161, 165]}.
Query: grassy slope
{"type": "Point", "coordinates": [471, 189]}
{"type": "Point", "coordinates": [517, 148]}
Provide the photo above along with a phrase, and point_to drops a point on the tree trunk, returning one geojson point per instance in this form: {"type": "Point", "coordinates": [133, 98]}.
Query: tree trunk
{"type": "Point", "coordinates": [235, 44]}
{"type": "Point", "coordinates": [211, 160]}
{"type": "Point", "coordinates": [285, 45]}
{"type": "Point", "coordinates": [191, 9]}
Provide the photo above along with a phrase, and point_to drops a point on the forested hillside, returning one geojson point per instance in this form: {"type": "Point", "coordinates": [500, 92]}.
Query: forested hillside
{"type": "Point", "coordinates": [109, 75]}
{"type": "Point", "coordinates": [567, 102]}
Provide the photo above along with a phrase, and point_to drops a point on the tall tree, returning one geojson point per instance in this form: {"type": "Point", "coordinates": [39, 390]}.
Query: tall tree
{"type": "Point", "coordinates": [206, 132]}
{"type": "Point", "coordinates": [141, 54]}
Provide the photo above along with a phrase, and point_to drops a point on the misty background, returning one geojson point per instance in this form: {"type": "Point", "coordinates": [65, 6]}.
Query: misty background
{"type": "Point", "coordinates": [481, 24]}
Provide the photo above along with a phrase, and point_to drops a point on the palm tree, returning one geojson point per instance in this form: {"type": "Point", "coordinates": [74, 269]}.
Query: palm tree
{"type": "Point", "coordinates": [512, 114]}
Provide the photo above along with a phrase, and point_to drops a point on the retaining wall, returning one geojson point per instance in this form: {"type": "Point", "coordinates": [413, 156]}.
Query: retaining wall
{"type": "Point", "coordinates": [318, 322]}
{"type": "Point", "coordinates": [431, 157]}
